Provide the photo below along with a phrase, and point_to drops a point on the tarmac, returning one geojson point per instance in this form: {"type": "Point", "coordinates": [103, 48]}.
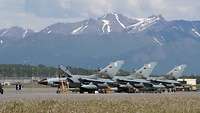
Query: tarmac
{"type": "Point", "coordinates": [10, 94]}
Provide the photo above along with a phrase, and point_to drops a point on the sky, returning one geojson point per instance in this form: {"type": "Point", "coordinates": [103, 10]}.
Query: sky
{"type": "Point", "coordinates": [37, 14]}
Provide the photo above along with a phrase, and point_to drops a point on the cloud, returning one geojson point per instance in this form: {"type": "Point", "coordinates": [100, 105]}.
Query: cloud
{"type": "Point", "coordinates": [21, 12]}
{"type": "Point", "coordinates": [44, 8]}
{"type": "Point", "coordinates": [30, 21]}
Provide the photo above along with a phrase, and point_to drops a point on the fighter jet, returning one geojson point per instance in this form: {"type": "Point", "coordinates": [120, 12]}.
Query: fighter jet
{"type": "Point", "coordinates": [137, 80]}
{"type": "Point", "coordinates": [87, 82]}
{"type": "Point", "coordinates": [141, 73]}
{"type": "Point", "coordinates": [169, 80]}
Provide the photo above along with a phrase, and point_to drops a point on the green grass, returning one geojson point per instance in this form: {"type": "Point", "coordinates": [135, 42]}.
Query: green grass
{"type": "Point", "coordinates": [158, 103]}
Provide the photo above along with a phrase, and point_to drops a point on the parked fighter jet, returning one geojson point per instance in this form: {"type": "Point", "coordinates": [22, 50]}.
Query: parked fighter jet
{"type": "Point", "coordinates": [85, 82]}
{"type": "Point", "coordinates": [137, 80]}
{"type": "Point", "coordinates": [173, 74]}
{"type": "Point", "coordinates": [169, 80]}
{"type": "Point", "coordinates": [141, 73]}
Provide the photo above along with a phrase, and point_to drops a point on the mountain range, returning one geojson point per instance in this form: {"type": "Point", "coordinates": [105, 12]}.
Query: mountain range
{"type": "Point", "coordinates": [94, 42]}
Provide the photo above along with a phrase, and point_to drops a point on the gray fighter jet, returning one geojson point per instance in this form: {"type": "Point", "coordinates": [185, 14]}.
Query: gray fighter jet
{"type": "Point", "coordinates": [169, 80]}
{"type": "Point", "coordinates": [87, 82]}
{"type": "Point", "coordinates": [137, 80]}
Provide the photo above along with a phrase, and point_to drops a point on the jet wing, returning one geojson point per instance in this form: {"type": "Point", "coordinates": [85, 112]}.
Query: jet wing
{"type": "Point", "coordinates": [135, 80]}
{"type": "Point", "coordinates": [168, 81]}
{"type": "Point", "coordinates": [88, 80]}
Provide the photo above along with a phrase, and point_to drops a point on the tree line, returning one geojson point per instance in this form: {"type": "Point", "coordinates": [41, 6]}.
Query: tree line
{"type": "Point", "coordinates": [25, 70]}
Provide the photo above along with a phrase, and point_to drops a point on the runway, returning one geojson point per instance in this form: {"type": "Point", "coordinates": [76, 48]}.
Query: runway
{"type": "Point", "coordinates": [50, 94]}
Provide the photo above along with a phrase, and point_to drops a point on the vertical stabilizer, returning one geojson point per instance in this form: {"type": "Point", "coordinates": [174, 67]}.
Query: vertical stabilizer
{"type": "Point", "coordinates": [146, 70]}
{"type": "Point", "coordinates": [65, 70]}
{"type": "Point", "coordinates": [177, 71]}
{"type": "Point", "coordinates": [112, 69]}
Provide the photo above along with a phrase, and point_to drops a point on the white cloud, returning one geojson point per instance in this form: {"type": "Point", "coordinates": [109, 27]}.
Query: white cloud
{"type": "Point", "coordinates": [40, 13]}
{"type": "Point", "coordinates": [30, 21]}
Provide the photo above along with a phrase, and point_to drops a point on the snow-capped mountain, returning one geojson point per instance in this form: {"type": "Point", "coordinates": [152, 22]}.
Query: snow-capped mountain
{"type": "Point", "coordinates": [8, 35]}
{"type": "Point", "coordinates": [114, 22]}
{"type": "Point", "coordinates": [112, 36]}
{"type": "Point", "coordinates": [109, 23]}
{"type": "Point", "coordinates": [145, 23]}
{"type": "Point", "coordinates": [15, 32]}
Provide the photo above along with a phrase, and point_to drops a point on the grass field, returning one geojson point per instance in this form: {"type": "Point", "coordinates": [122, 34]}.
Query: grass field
{"type": "Point", "coordinates": [138, 103]}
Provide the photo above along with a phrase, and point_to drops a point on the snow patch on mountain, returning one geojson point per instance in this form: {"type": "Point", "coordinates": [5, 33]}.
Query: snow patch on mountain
{"type": "Point", "coordinates": [2, 34]}
{"type": "Point", "coordinates": [79, 29]}
{"type": "Point", "coordinates": [175, 27]}
{"type": "Point", "coordinates": [195, 32]}
{"type": "Point", "coordinates": [144, 23]}
{"type": "Point", "coordinates": [181, 28]}
{"type": "Point", "coordinates": [24, 34]}
{"type": "Point", "coordinates": [157, 41]}
{"type": "Point", "coordinates": [1, 42]}
{"type": "Point", "coordinates": [76, 30]}
{"type": "Point", "coordinates": [46, 30]}
{"type": "Point", "coordinates": [106, 25]}
{"type": "Point", "coordinates": [49, 31]}
{"type": "Point", "coordinates": [117, 18]}
{"type": "Point", "coordinates": [162, 38]}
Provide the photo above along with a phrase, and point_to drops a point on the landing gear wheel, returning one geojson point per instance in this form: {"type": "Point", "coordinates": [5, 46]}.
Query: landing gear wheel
{"type": "Point", "coordinates": [91, 91]}
{"type": "Point", "coordinates": [1, 91]}
{"type": "Point", "coordinates": [81, 91]}
{"type": "Point", "coordinates": [57, 91]}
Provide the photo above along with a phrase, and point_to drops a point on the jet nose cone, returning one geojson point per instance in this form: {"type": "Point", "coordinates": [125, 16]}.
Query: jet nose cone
{"type": "Point", "coordinates": [43, 82]}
